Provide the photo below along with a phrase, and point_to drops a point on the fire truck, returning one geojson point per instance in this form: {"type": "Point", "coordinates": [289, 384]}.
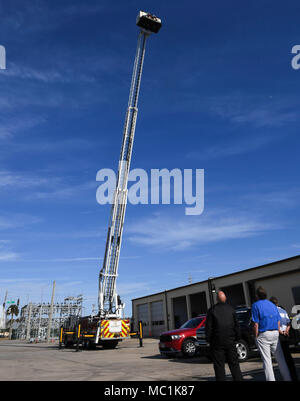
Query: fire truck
{"type": "Point", "coordinates": [109, 327]}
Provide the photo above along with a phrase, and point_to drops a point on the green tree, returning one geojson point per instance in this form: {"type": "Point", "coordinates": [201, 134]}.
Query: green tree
{"type": "Point", "coordinates": [13, 310]}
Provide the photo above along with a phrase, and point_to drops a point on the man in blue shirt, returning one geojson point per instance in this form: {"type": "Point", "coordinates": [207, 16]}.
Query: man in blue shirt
{"type": "Point", "coordinates": [266, 320]}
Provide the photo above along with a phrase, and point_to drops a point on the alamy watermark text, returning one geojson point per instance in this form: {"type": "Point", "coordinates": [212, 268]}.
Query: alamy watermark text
{"type": "Point", "coordinates": [186, 187]}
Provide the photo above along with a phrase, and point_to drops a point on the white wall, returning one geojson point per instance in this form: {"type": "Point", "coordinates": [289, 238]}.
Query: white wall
{"type": "Point", "coordinates": [2, 318]}
{"type": "Point", "coordinates": [281, 288]}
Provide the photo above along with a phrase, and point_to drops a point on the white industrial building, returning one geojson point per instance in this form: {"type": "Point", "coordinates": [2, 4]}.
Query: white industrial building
{"type": "Point", "coordinates": [2, 318]}
{"type": "Point", "coordinates": [170, 309]}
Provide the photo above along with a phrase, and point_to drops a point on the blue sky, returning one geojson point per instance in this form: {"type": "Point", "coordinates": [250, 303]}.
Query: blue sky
{"type": "Point", "coordinates": [218, 93]}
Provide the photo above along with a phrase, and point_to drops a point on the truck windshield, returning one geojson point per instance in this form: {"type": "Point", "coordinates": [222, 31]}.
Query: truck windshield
{"type": "Point", "coordinates": [192, 324]}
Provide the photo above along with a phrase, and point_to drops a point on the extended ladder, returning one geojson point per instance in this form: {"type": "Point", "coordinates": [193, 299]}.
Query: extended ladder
{"type": "Point", "coordinates": [109, 304]}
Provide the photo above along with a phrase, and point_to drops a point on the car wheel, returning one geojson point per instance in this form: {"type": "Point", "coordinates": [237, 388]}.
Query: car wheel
{"type": "Point", "coordinates": [242, 350]}
{"type": "Point", "coordinates": [188, 348]}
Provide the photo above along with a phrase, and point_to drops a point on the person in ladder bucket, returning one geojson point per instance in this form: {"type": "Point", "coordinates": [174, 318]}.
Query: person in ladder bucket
{"type": "Point", "coordinates": [285, 325]}
{"type": "Point", "coordinates": [222, 332]}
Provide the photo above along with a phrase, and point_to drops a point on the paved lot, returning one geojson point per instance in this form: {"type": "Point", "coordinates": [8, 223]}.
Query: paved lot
{"type": "Point", "coordinates": [21, 361]}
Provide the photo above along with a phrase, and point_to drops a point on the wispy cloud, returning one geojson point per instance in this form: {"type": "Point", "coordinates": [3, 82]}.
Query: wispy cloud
{"type": "Point", "coordinates": [284, 198]}
{"type": "Point", "coordinates": [17, 180]}
{"type": "Point", "coordinates": [133, 287]}
{"type": "Point", "coordinates": [4, 241]}
{"type": "Point", "coordinates": [17, 220]}
{"type": "Point", "coordinates": [65, 75]}
{"type": "Point", "coordinates": [6, 257]}
{"type": "Point", "coordinates": [84, 259]}
{"type": "Point", "coordinates": [259, 112]}
{"type": "Point", "coordinates": [184, 233]}
{"type": "Point", "coordinates": [55, 146]}
{"type": "Point", "coordinates": [41, 16]}
{"type": "Point", "coordinates": [233, 148]}
{"type": "Point", "coordinates": [76, 259]}
{"type": "Point", "coordinates": [6, 253]}
{"type": "Point", "coordinates": [255, 122]}
{"type": "Point", "coordinates": [63, 192]}
{"type": "Point", "coordinates": [43, 187]}
{"type": "Point", "coordinates": [266, 118]}
{"type": "Point", "coordinates": [244, 109]}
{"type": "Point", "coordinates": [11, 126]}
{"type": "Point", "coordinates": [33, 288]}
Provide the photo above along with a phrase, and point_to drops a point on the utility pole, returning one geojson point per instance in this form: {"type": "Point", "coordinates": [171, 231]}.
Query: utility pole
{"type": "Point", "coordinates": [211, 291]}
{"type": "Point", "coordinates": [5, 298]}
{"type": "Point", "coordinates": [40, 318]}
{"type": "Point", "coordinates": [51, 313]}
{"type": "Point", "coordinates": [28, 322]}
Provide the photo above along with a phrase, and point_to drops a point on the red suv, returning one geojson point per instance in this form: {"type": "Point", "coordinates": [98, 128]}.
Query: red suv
{"type": "Point", "coordinates": [182, 340]}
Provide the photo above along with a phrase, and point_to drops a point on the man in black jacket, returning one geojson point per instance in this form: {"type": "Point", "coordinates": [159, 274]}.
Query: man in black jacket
{"type": "Point", "coordinates": [222, 333]}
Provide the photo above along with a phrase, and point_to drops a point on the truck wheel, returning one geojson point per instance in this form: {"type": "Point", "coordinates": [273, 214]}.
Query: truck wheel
{"type": "Point", "coordinates": [110, 344]}
{"type": "Point", "coordinates": [91, 345]}
{"type": "Point", "coordinates": [68, 344]}
{"type": "Point", "coordinates": [242, 350]}
{"type": "Point", "coordinates": [188, 348]}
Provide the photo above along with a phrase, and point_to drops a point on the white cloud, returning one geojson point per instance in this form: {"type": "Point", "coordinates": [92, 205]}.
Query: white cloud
{"type": "Point", "coordinates": [245, 112]}
{"type": "Point", "coordinates": [33, 288]}
{"type": "Point", "coordinates": [186, 232]}
{"type": "Point", "coordinates": [279, 199]}
{"type": "Point", "coordinates": [41, 15]}
{"type": "Point", "coordinates": [259, 111]}
{"type": "Point", "coordinates": [54, 146]}
{"type": "Point", "coordinates": [43, 186]}
{"type": "Point", "coordinates": [76, 259]}
{"type": "Point", "coordinates": [265, 118]}
{"type": "Point", "coordinates": [8, 256]}
{"type": "Point", "coordinates": [66, 74]}
{"type": "Point", "coordinates": [12, 126]}
{"type": "Point", "coordinates": [233, 148]}
{"type": "Point", "coordinates": [4, 241]}
{"type": "Point", "coordinates": [17, 180]}
{"type": "Point", "coordinates": [17, 220]}
{"type": "Point", "coordinates": [125, 289]}
{"type": "Point", "coordinates": [70, 259]}
{"type": "Point", "coordinates": [64, 191]}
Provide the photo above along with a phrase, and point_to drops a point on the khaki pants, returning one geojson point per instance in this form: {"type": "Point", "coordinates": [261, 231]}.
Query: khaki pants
{"type": "Point", "coordinates": [268, 345]}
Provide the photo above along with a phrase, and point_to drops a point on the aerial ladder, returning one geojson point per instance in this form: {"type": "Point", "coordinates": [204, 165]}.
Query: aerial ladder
{"type": "Point", "coordinates": [109, 302]}
{"type": "Point", "coordinates": [109, 326]}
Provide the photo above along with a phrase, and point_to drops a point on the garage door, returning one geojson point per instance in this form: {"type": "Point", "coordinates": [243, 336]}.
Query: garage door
{"type": "Point", "coordinates": [180, 311]}
{"type": "Point", "coordinates": [142, 312]}
{"type": "Point", "coordinates": [157, 315]}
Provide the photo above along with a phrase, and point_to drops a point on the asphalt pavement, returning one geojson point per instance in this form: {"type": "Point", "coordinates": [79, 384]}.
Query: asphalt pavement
{"type": "Point", "coordinates": [128, 362]}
